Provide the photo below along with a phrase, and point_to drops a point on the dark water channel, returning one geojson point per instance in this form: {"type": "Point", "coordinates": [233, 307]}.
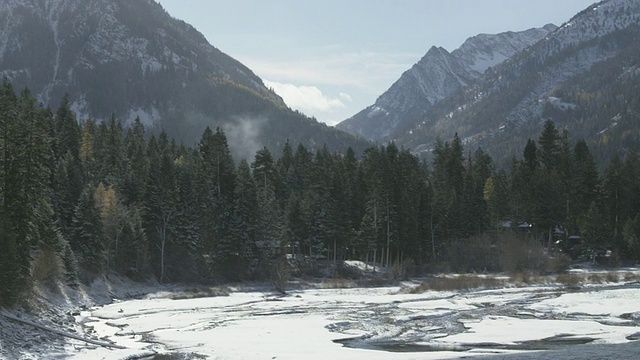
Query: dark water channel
{"type": "Point", "coordinates": [176, 356]}
{"type": "Point", "coordinates": [551, 343]}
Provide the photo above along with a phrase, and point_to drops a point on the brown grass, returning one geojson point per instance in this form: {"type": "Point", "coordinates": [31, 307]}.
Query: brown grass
{"type": "Point", "coordinates": [339, 283]}
{"type": "Point", "coordinates": [613, 277]}
{"type": "Point", "coordinates": [595, 278]}
{"type": "Point", "coordinates": [200, 292]}
{"type": "Point", "coordinates": [524, 278]}
{"type": "Point", "coordinates": [462, 282]}
{"type": "Point", "coordinates": [46, 267]}
{"type": "Point", "coordinates": [569, 280]}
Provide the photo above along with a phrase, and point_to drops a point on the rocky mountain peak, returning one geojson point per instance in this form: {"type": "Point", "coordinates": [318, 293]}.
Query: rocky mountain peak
{"type": "Point", "coordinates": [483, 51]}
{"type": "Point", "coordinates": [581, 75]}
{"type": "Point", "coordinates": [131, 59]}
{"type": "Point", "coordinates": [437, 75]}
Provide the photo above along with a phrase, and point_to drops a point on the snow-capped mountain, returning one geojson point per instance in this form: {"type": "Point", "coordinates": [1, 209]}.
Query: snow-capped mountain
{"type": "Point", "coordinates": [436, 76]}
{"type": "Point", "coordinates": [130, 58]}
{"type": "Point", "coordinates": [581, 75]}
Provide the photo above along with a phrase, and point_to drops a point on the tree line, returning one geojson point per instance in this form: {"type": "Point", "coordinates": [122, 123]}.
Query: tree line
{"type": "Point", "coordinates": [85, 199]}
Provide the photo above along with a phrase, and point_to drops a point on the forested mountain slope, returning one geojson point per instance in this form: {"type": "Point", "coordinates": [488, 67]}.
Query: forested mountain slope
{"type": "Point", "coordinates": [435, 77]}
{"type": "Point", "coordinates": [583, 76]}
{"type": "Point", "coordinates": [81, 201]}
{"type": "Point", "coordinates": [130, 58]}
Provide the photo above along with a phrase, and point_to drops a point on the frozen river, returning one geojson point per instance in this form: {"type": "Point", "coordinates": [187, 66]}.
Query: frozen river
{"type": "Point", "coordinates": [371, 323]}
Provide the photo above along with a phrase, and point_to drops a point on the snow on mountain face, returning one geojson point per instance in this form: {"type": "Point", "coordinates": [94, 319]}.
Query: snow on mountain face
{"type": "Point", "coordinates": [598, 20]}
{"type": "Point", "coordinates": [484, 51]}
{"type": "Point", "coordinates": [132, 60]}
{"type": "Point", "coordinates": [437, 75]}
{"type": "Point", "coordinates": [506, 103]}
{"type": "Point", "coordinates": [572, 50]}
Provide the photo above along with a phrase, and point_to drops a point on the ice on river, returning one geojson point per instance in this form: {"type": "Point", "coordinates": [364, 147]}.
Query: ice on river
{"type": "Point", "coordinates": [372, 323]}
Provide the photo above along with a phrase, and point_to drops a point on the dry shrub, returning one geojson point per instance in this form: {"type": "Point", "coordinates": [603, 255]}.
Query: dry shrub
{"type": "Point", "coordinates": [46, 267]}
{"type": "Point", "coordinates": [280, 274]}
{"type": "Point", "coordinates": [595, 278]}
{"type": "Point", "coordinates": [569, 280]}
{"type": "Point", "coordinates": [629, 276]}
{"type": "Point", "coordinates": [521, 254]}
{"type": "Point", "coordinates": [525, 277]}
{"type": "Point", "coordinates": [401, 270]}
{"type": "Point", "coordinates": [507, 251]}
{"type": "Point", "coordinates": [475, 254]}
{"type": "Point", "coordinates": [559, 262]}
{"type": "Point", "coordinates": [200, 292]}
{"type": "Point", "coordinates": [613, 277]}
{"type": "Point", "coordinates": [339, 283]}
{"type": "Point", "coordinates": [344, 271]}
{"type": "Point", "coordinates": [376, 282]}
{"type": "Point", "coordinates": [462, 282]}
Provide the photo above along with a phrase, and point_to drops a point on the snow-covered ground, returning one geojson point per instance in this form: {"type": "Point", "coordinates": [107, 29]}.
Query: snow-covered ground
{"type": "Point", "coordinates": [371, 323]}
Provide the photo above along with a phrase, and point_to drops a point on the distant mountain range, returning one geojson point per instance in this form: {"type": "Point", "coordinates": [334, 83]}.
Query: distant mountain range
{"type": "Point", "coordinates": [130, 58]}
{"type": "Point", "coordinates": [435, 77]}
{"type": "Point", "coordinates": [495, 91]}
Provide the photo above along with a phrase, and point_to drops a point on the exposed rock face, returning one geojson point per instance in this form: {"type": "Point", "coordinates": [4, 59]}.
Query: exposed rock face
{"type": "Point", "coordinates": [130, 58]}
{"type": "Point", "coordinates": [437, 75]}
{"type": "Point", "coordinates": [582, 75]}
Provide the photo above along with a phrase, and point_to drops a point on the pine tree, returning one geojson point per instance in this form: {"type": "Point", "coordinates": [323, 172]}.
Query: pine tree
{"type": "Point", "coordinates": [87, 148]}
{"type": "Point", "coordinates": [216, 186]}
{"type": "Point", "coordinates": [551, 184]}
{"type": "Point", "coordinates": [584, 184]}
{"type": "Point", "coordinates": [593, 228]}
{"type": "Point", "coordinates": [631, 236]}
{"type": "Point", "coordinates": [632, 186]}
{"type": "Point", "coordinates": [88, 237]}
{"type": "Point", "coordinates": [549, 146]}
{"type": "Point", "coordinates": [268, 222]}
{"type": "Point", "coordinates": [614, 196]}
{"type": "Point", "coordinates": [373, 221]}
{"type": "Point", "coordinates": [109, 152]}
{"type": "Point", "coordinates": [530, 155]}
{"type": "Point", "coordinates": [447, 184]}
{"type": "Point", "coordinates": [28, 156]}
{"type": "Point", "coordinates": [69, 182]}
{"type": "Point", "coordinates": [137, 164]}
{"type": "Point", "coordinates": [186, 254]}
{"type": "Point", "coordinates": [67, 130]}
{"type": "Point", "coordinates": [245, 226]}
{"type": "Point", "coordinates": [284, 168]}
{"type": "Point", "coordinates": [160, 202]}
{"type": "Point", "coordinates": [296, 228]}
{"type": "Point", "coordinates": [9, 266]}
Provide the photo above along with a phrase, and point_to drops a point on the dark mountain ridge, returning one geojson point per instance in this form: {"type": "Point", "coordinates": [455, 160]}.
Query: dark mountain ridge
{"type": "Point", "coordinates": [511, 101]}
{"type": "Point", "coordinates": [582, 75]}
{"type": "Point", "coordinates": [435, 77]}
{"type": "Point", "coordinates": [132, 59]}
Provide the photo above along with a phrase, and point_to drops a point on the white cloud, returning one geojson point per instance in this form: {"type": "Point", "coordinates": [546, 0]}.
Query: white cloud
{"type": "Point", "coordinates": [339, 82]}
{"type": "Point", "coordinates": [308, 99]}
{"type": "Point", "coordinates": [346, 97]}
{"type": "Point", "coordinates": [369, 72]}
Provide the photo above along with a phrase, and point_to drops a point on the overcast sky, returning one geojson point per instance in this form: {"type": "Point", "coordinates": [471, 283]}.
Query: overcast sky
{"type": "Point", "coordinates": [332, 58]}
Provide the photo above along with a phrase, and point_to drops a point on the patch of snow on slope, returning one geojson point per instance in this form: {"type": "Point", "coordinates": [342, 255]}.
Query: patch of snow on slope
{"type": "Point", "coordinates": [375, 110]}
{"type": "Point", "coordinates": [485, 61]}
{"type": "Point", "coordinates": [147, 117]}
{"type": "Point", "coordinates": [80, 108]}
{"type": "Point", "coordinates": [559, 104]}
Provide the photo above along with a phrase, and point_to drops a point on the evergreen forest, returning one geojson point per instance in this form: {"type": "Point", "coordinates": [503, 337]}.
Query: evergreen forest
{"type": "Point", "coordinates": [82, 199]}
